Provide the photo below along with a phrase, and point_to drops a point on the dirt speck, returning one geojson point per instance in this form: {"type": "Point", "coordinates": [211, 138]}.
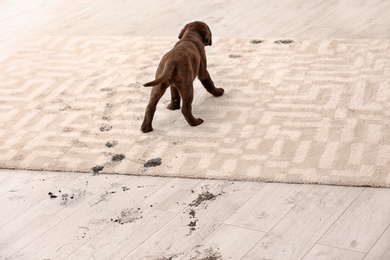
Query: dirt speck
{"type": "Point", "coordinates": [234, 56]}
{"type": "Point", "coordinates": [256, 41]}
{"type": "Point", "coordinates": [153, 162]}
{"type": "Point", "coordinates": [354, 243]}
{"type": "Point", "coordinates": [284, 42]}
{"type": "Point", "coordinates": [192, 223]}
{"type": "Point", "coordinates": [96, 169]}
{"type": "Point", "coordinates": [118, 157]}
{"type": "Point", "coordinates": [111, 143]}
{"type": "Point", "coordinates": [208, 254]}
{"type": "Point", "coordinates": [52, 196]}
{"type": "Point", "coordinates": [168, 257]}
{"type": "Point", "coordinates": [67, 130]}
{"type": "Point", "coordinates": [192, 213]}
{"type": "Point", "coordinates": [65, 198]}
{"type": "Point", "coordinates": [105, 128]}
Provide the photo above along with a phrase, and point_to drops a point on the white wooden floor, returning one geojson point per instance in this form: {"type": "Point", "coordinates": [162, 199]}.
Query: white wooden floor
{"type": "Point", "coordinates": [48, 215]}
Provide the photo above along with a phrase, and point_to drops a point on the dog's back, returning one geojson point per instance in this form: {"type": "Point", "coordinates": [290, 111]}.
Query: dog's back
{"type": "Point", "coordinates": [177, 64]}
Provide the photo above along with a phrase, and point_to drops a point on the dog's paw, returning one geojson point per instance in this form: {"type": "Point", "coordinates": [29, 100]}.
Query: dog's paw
{"type": "Point", "coordinates": [172, 106]}
{"type": "Point", "coordinates": [198, 121]}
{"type": "Point", "coordinates": [218, 92]}
{"type": "Point", "coordinates": [146, 129]}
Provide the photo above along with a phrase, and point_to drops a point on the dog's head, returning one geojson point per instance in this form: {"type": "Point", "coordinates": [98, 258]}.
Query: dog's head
{"type": "Point", "coordinates": [198, 27]}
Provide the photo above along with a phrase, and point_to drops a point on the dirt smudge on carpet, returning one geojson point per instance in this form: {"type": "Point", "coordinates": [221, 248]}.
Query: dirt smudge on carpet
{"type": "Point", "coordinates": [118, 157]}
{"type": "Point", "coordinates": [153, 163]}
{"type": "Point", "coordinates": [284, 42]}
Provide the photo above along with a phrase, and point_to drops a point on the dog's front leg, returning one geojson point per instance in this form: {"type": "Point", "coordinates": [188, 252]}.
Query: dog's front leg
{"type": "Point", "coordinates": [208, 83]}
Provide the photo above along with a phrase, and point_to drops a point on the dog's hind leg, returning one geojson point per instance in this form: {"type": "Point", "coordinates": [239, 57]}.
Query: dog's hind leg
{"type": "Point", "coordinates": [175, 99]}
{"type": "Point", "coordinates": [155, 95]}
{"type": "Point", "coordinates": [208, 84]}
{"type": "Point", "coordinates": [186, 109]}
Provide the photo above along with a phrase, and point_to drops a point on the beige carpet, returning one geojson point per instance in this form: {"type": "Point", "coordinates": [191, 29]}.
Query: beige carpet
{"type": "Point", "coordinates": [308, 111]}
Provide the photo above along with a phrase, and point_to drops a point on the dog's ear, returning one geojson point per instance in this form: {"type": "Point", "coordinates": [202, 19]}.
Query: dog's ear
{"type": "Point", "coordinates": [206, 35]}
{"type": "Point", "coordinates": [182, 31]}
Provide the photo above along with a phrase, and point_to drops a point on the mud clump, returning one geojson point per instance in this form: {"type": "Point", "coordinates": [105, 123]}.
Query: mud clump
{"type": "Point", "coordinates": [153, 163]}
{"type": "Point", "coordinates": [52, 196]}
{"type": "Point", "coordinates": [192, 213]}
{"type": "Point", "coordinates": [118, 157]}
{"type": "Point", "coordinates": [105, 128]}
{"type": "Point", "coordinates": [256, 41]}
{"type": "Point", "coordinates": [212, 254]}
{"type": "Point", "coordinates": [192, 225]}
{"type": "Point", "coordinates": [111, 144]}
{"type": "Point", "coordinates": [96, 169]}
{"type": "Point", "coordinates": [284, 42]}
{"type": "Point", "coordinates": [193, 220]}
{"type": "Point", "coordinates": [125, 189]}
{"type": "Point", "coordinates": [205, 196]}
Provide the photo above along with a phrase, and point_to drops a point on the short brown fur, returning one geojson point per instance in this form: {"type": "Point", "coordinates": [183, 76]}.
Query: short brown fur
{"type": "Point", "coordinates": [178, 69]}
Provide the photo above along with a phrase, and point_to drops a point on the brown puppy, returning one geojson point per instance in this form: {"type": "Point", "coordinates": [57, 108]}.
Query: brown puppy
{"type": "Point", "coordinates": [178, 69]}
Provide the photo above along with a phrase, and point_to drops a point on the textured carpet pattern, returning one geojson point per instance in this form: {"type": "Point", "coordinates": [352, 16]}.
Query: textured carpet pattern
{"type": "Point", "coordinates": [310, 111]}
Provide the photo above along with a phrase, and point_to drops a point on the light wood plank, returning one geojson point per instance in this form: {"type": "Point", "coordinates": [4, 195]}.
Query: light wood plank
{"type": "Point", "coordinates": [377, 31]}
{"type": "Point", "coordinates": [355, 27]}
{"type": "Point", "coordinates": [263, 211]}
{"type": "Point", "coordinates": [177, 194]}
{"type": "Point", "coordinates": [226, 242]}
{"type": "Point", "coordinates": [23, 21]}
{"type": "Point", "coordinates": [381, 249]}
{"type": "Point", "coordinates": [8, 185]}
{"type": "Point", "coordinates": [35, 221]}
{"type": "Point", "coordinates": [19, 174]}
{"type": "Point", "coordinates": [298, 231]}
{"type": "Point", "coordinates": [343, 14]}
{"type": "Point", "coordinates": [28, 194]}
{"type": "Point", "coordinates": [91, 218]}
{"type": "Point", "coordinates": [317, 32]}
{"type": "Point", "coordinates": [174, 197]}
{"type": "Point", "coordinates": [117, 240]}
{"type": "Point", "coordinates": [319, 252]}
{"type": "Point", "coordinates": [352, 231]}
{"type": "Point", "coordinates": [307, 18]}
{"type": "Point", "coordinates": [102, 183]}
{"type": "Point", "coordinates": [196, 222]}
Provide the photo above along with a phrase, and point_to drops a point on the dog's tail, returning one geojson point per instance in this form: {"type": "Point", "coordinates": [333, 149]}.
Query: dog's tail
{"type": "Point", "coordinates": [166, 75]}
